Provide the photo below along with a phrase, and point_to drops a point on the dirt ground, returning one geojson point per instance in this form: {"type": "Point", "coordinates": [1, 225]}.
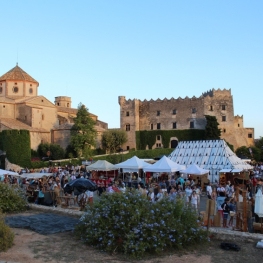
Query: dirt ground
{"type": "Point", "coordinates": [31, 247]}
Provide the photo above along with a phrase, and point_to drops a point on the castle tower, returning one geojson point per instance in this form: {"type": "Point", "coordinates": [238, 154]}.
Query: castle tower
{"type": "Point", "coordinates": [63, 101]}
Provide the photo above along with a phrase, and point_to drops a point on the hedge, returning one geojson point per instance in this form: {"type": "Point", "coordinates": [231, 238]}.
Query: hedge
{"type": "Point", "coordinates": [144, 138]}
{"type": "Point", "coordinates": [16, 144]}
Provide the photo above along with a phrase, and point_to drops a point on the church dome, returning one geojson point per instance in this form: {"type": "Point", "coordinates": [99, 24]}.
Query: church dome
{"type": "Point", "coordinates": [17, 74]}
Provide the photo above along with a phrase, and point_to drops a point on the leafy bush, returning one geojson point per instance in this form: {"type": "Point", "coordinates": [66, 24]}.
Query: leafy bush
{"type": "Point", "coordinates": [129, 223]}
{"type": "Point", "coordinates": [56, 151]}
{"type": "Point", "coordinates": [12, 199]}
{"type": "Point", "coordinates": [6, 235]}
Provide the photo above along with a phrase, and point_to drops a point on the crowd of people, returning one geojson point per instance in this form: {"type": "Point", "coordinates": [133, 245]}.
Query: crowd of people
{"type": "Point", "coordinates": [155, 189]}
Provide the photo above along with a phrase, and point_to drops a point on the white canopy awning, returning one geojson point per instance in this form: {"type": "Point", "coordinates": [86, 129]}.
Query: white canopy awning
{"type": "Point", "coordinates": [164, 165]}
{"type": "Point", "coordinates": [133, 163]}
{"type": "Point", "coordinates": [34, 175]}
{"type": "Point", "coordinates": [102, 165]}
{"type": "Point", "coordinates": [195, 169]}
{"type": "Point", "coordinates": [225, 171]}
{"type": "Point", "coordinates": [3, 172]}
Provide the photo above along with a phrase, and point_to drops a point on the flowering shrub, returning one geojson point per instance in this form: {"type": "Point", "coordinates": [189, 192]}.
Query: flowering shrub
{"type": "Point", "coordinates": [131, 224]}
{"type": "Point", "coordinates": [12, 199]}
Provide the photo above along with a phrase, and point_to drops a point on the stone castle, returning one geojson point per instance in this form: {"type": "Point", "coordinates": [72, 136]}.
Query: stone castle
{"type": "Point", "coordinates": [187, 113]}
{"type": "Point", "coordinates": [22, 108]}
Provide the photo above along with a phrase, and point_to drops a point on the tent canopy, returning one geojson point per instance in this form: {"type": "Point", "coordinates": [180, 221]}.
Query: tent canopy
{"type": "Point", "coordinates": [34, 175]}
{"type": "Point", "coordinates": [195, 169]}
{"type": "Point", "coordinates": [102, 165]}
{"type": "Point", "coordinates": [164, 165]}
{"type": "Point", "coordinates": [3, 172]}
{"type": "Point", "coordinates": [133, 163]}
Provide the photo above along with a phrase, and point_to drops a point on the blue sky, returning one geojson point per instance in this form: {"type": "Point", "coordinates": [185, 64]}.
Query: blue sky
{"type": "Point", "coordinates": [95, 51]}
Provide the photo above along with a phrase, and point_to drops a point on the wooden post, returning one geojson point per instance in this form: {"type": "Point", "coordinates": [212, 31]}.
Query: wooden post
{"type": "Point", "coordinates": [245, 214]}
{"type": "Point", "coordinates": [208, 215]}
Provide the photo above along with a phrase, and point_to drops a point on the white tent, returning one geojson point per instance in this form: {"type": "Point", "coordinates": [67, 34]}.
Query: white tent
{"type": "Point", "coordinates": [3, 172]}
{"type": "Point", "coordinates": [213, 155]}
{"type": "Point", "coordinates": [133, 163]}
{"type": "Point", "coordinates": [34, 175]}
{"type": "Point", "coordinates": [164, 165]}
{"type": "Point", "coordinates": [101, 165]}
{"type": "Point", "coordinates": [195, 169]}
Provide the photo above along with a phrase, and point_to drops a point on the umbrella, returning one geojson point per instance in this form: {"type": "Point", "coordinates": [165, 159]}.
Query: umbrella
{"type": "Point", "coordinates": [259, 203]}
{"type": "Point", "coordinates": [81, 185]}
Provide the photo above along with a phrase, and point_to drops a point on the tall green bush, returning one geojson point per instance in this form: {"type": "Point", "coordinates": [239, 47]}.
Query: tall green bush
{"type": "Point", "coordinates": [12, 199]}
{"type": "Point", "coordinates": [16, 144]}
{"type": "Point", "coordinates": [6, 235]}
{"type": "Point", "coordinates": [129, 223]}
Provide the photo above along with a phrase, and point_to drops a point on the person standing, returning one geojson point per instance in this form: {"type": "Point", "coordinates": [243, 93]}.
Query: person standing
{"type": "Point", "coordinates": [209, 191]}
{"type": "Point", "coordinates": [226, 211]}
{"type": "Point", "coordinates": [194, 200]}
{"type": "Point", "coordinates": [188, 193]}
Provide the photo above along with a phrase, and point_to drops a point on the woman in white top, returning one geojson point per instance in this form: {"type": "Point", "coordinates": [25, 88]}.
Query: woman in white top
{"type": "Point", "coordinates": [194, 200]}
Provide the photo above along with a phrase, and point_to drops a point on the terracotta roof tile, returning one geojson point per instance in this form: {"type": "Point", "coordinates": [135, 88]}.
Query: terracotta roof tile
{"type": "Point", "coordinates": [17, 73]}
{"type": "Point", "coordinates": [18, 125]}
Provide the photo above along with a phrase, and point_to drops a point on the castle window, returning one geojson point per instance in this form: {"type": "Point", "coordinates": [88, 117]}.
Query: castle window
{"type": "Point", "coordinates": [174, 125]}
{"type": "Point", "coordinates": [158, 113]}
{"type": "Point", "coordinates": [128, 127]}
{"type": "Point", "coordinates": [128, 148]}
{"type": "Point", "coordinates": [192, 124]}
{"type": "Point", "coordinates": [127, 113]}
{"type": "Point", "coordinates": [174, 112]}
{"type": "Point", "coordinates": [224, 118]}
{"type": "Point", "coordinates": [68, 105]}
{"type": "Point", "coordinates": [58, 103]}
{"type": "Point", "coordinates": [193, 110]}
{"type": "Point", "coordinates": [158, 137]}
{"type": "Point", "coordinates": [211, 108]}
{"type": "Point", "coordinates": [158, 145]}
{"type": "Point", "coordinates": [15, 89]}
{"type": "Point", "coordinates": [1, 89]}
{"type": "Point", "coordinates": [151, 126]}
{"type": "Point", "coordinates": [224, 130]}
{"type": "Point", "coordinates": [30, 85]}
{"type": "Point", "coordinates": [238, 125]}
{"type": "Point", "coordinates": [250, 135]}
{"type": "Point", "coordinates": [3, 106]}
{"type": "Point", "coordinates": [15, 83]}
{"type": "Point", "coordinates": [43, 117]}
{"type": "Point", "coordinates": [223, 107]}
{"type": "Point", "coordinates": [158, 126]}
{"type": "Point", "coordinates": [30, 90]}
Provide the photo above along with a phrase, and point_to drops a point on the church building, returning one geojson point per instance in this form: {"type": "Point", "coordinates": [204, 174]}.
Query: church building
{"type": "Point", "coordinates": [21, 108]}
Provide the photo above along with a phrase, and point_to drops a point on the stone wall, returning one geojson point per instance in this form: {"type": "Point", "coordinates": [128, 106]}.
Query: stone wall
{"type": "Point", "coordinates": [168, 114]}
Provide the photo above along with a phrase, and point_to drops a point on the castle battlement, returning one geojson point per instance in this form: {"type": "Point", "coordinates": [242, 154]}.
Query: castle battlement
{"type": "Point", "coordinates": [122, 100]}
{"type": "Point", "coordinates": [217, 92]}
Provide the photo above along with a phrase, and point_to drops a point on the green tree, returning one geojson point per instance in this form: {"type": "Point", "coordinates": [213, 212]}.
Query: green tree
{"type": "Point", "coordinates": [83, 132]}
{"type": "Point", "coordinates": [56, 151]}
{"type": "Point", "coordinates": [244, 151]}
{"type": "Point", "coordinates": [112, 140]}
{"type": "Point", "coordinates": [212, 132]}
{"type": "Point", "coordinates": [259, 143]}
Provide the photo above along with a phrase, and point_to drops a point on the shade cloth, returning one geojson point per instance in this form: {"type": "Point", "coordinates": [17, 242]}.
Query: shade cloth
{"type": "Point", "coordinates": [101, 165]}
{"type": "Point", "coordinates": [164, 165]}
{"type": "Point", "coordinates": [195, 169]}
